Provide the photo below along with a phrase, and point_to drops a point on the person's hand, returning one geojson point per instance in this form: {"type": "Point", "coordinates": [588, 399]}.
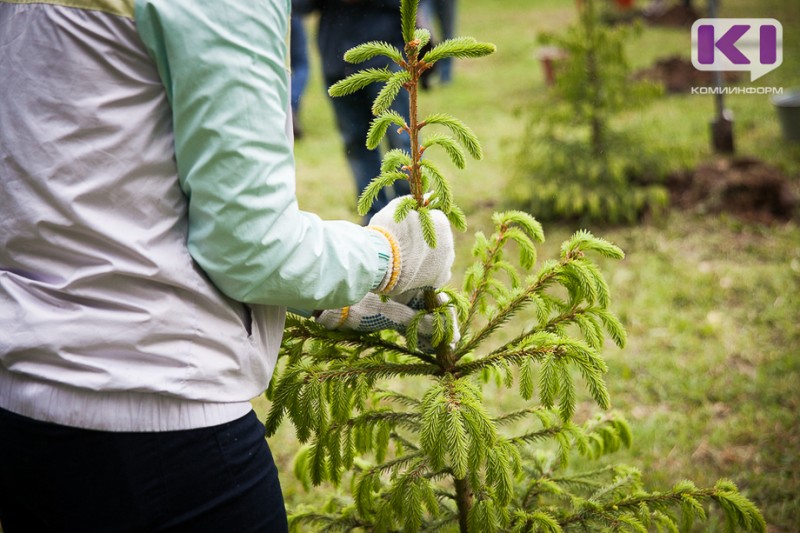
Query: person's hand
{"type": "Point", "coordinates": [418, 266]}
{"type": "Point", "coordinates": [373, 314]}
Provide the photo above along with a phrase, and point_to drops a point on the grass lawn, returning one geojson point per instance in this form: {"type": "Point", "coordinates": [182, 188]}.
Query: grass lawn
{"type": "Point", "coordinates": [710, 378]}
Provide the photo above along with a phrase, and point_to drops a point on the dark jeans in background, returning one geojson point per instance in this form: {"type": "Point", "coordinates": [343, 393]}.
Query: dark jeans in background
{"type": "Point", "coordinates": [353, 117]}
{"type": "Point", "coordinates": [298, 57]}
{"type": "Point", "coordinates": [57, 479]}
{"type": "Point", "coordinates": [442, 13]}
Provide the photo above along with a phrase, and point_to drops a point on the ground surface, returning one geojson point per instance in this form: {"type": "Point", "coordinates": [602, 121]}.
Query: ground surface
{"type": "Point", "coordinates": [747, 188]}
{"type": "Point", "coordinates": [677, 75]}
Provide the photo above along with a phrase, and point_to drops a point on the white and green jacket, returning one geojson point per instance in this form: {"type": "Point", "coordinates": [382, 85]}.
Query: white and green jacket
{"type": "Point", "coordinates": [149, 234]}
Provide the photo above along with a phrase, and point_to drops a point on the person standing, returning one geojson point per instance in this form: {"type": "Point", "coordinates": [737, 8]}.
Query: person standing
{"type": "Point", "coordinates": [344, 24]}
{"type": "Point", "coordinates": [150, 244]}
{"type": "Point", "coordinates": [300, 69]}
{"type": "Point", "coordinates": [442, 13]}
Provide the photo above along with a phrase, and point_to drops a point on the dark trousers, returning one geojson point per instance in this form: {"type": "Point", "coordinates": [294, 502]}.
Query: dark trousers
{"type": "Point", "coordinates": [443, 13]}
{"type": "Point", "coordinates": [56, 479]}
{"type": "Point", "coordinates": [354, 116]}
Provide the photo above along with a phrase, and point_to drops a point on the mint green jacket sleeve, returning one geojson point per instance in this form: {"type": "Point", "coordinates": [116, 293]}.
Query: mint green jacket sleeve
{"type": "Point", "coordinates": [224, 67]}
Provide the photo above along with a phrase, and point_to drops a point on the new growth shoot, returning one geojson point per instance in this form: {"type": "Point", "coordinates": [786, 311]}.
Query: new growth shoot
{"type": "Point", "coordinates": [429, 188]}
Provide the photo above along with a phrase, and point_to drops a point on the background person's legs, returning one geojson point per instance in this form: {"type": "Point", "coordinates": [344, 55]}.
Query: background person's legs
{"type": "Point", "coordinates": [298, 54]}
{"type": "Point", "coordinates": [353, 117]}
{"type": "Point", "coordinates": [442, 14]}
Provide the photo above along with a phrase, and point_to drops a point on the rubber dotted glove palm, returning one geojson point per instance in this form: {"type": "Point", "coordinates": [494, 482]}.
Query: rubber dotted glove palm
{"type": "Point", "coordinates": [414, 265]}
{"type": "Point", "coordinates": [373, 314]}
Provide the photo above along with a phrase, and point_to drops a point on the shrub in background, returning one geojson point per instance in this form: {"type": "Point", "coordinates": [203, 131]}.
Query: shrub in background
{"type": "Point", "coordinates": [573, 163]}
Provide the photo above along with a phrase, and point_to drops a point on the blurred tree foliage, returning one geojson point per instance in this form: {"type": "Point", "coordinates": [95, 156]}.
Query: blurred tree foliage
{"type": "Point", "coordinates": [574, 164]}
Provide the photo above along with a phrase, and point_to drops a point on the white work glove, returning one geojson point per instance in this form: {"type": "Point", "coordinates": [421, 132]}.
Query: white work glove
{"type": "Point", "coordinates": [372, 314]}
{"type": "Point", "coordinates": [418, 265]}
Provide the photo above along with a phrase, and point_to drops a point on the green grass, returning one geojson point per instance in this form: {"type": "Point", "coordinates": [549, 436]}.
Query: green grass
{"type": "Point", "coordinates": [711, 373]}
{"type": "Point", "coordinates": [709, 376]}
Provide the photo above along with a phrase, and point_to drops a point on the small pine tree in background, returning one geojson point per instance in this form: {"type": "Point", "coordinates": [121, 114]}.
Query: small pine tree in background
{"type": "Point", "coordinates": [573, 164]}
{"type": "Point", "coordinates": [411, 433]}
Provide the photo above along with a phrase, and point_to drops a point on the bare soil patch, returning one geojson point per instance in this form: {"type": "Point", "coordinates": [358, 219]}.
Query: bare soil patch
{"type": "Point", "coordinates": [678, 75]}
{"type": "Point", "coordinates": [747, 188]}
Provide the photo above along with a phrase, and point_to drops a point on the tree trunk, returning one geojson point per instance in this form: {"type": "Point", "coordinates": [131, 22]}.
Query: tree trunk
{"type": "Point", "coordinates": [464, 502]}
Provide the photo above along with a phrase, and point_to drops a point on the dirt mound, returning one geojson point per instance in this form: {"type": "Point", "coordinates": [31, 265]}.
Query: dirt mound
{"type": "Point", "coordinates": [678, 75]}
{"type": "Point", "coordinates": [745, 187]}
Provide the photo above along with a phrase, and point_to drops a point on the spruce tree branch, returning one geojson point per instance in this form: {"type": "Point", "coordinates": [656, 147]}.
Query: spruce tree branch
{"type": "Point", "coordinates": [332, 522]}
{"type": "Point", "coordinates": [585, 477]}
{"type": "Point", "coordinates": [487, 270]}
{"type": "Point", "coordinates": [555, 321]}
{"type": "Point", "coordinates": [621, 482]}
{"type": "Point", "coordinates": [386, 345]}
{"type": "Point", "coordinates": [399, 461]}
{"type": "Point", "coordinates": [374, 341]}
{"type": "Point", "coordinates": [519, 414]}
{"type": "Point", "coordinates": [353, 340]}
{"type": "Point", "coordinates": [402, 440]}
{"type": "Point", "coordinates": [614, 508]}
{"type": "Point", "coordinates": [583, 480]}
{"type": "Point", "coordinates": [507, 312]}
{"type": "Point", "coordinates": [536, 488]}
{"type": "Point", "coordinates": [439, 476]}
{"type": "Point", "coordinates": [510, 356]}
{"type": "Point", "coordinates": [534, 436]}
{"type": "Point", "coordinates": [393, 396]}
{"type": "Point", "coordinates": [440, 523]}
{"type": "Point", "coordinates": [381, 370]}
{"type": "Point", "coordinates": [530, 493]}
{"type": "Point", "coordinates": [410, 420]}
{"type": "Point", "coordinates": [444, 354]}
{"type": "Point", "coordinates": [412, 86]}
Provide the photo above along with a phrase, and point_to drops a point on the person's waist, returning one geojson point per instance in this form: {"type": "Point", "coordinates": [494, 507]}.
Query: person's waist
{"type": "Point", "coordinates": [122, 411]}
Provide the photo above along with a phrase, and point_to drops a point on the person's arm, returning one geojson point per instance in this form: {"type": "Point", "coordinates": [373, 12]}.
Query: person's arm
{"type": "Point", "coordinates": [223, 64]}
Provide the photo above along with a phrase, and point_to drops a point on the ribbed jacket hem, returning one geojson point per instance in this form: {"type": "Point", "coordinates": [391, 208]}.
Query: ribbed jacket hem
{"type": "Point", "coordinates": [110, 411]}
